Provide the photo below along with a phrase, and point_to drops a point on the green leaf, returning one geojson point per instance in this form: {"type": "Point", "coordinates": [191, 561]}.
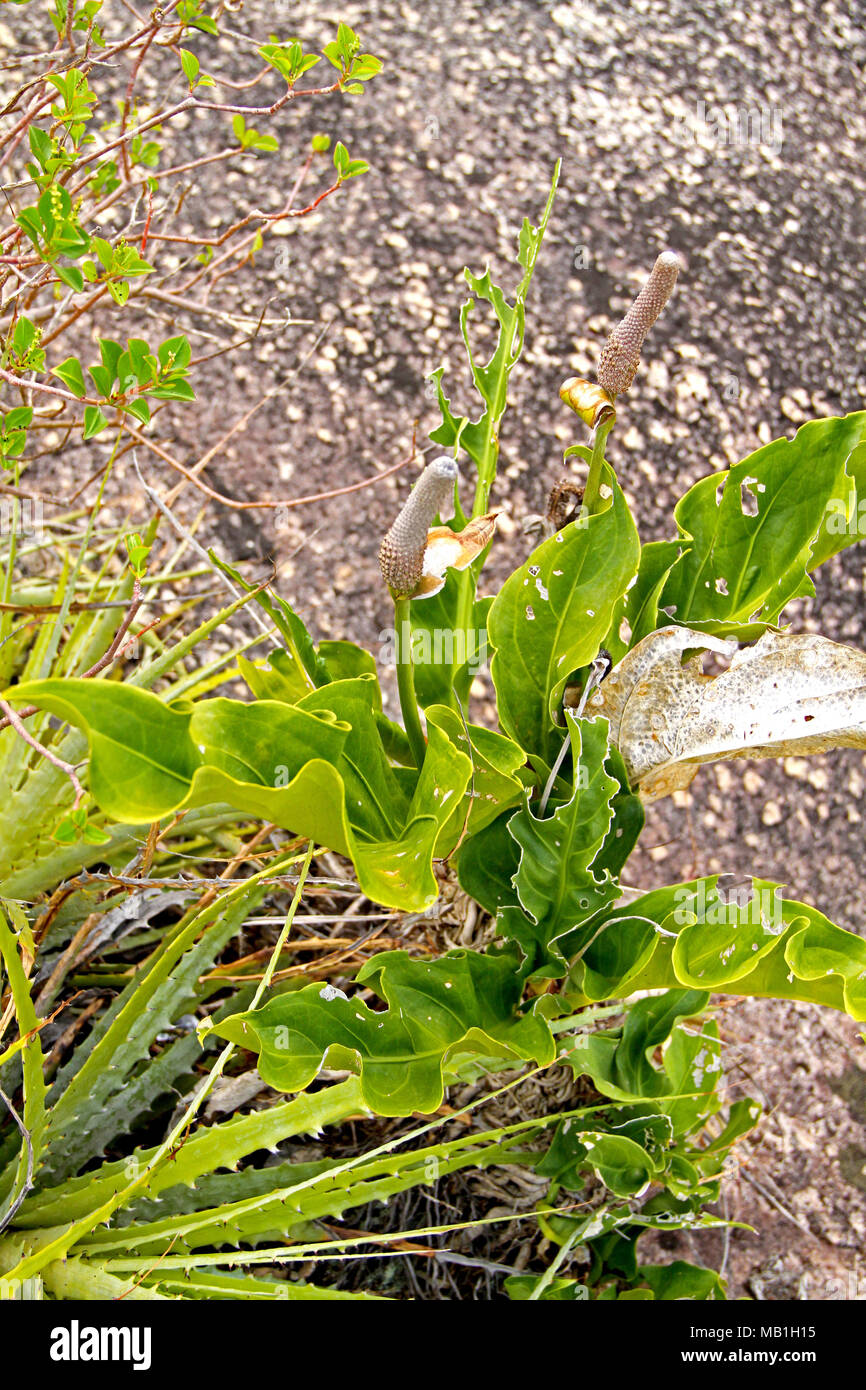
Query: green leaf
{"type": "Point", "coordinates": [747, 553]}
{"type": "Point", "coordinates": [680, 1280]}
{"type": "Point", "coordinates": [844, 520]}
{"type": "Point", "coordinates": [520, 1287]}
{"type": "Point", "coordinates": [19, 418]}
{"type": "Point", "coordinates": [94, 421]}
{"type": "Point", "coordinates": [620, 1063]}
{"type": "Point", "coordinates": [486, 863]}
{"type": "Point", "coordinates": [304, 766]}
{"type": "Point", "coordinates": [140, 410]}
{"type": "Point", "coordinates": [555, 881]}
{"type": "Point", "coordinates": [624, 1166]}
{"type": "Point", "coordinates": [551, 615]}
{"type": "Point", "coordinates": [446, 655]}
{"type": "Point", "coordinates": [364, 67]}
{"type": "Point", "coordinates": [71, 374]}
{"type": "Point", "coordinates": [173, 391]}
{"type": "Point", "coordinates": [462, 1004]}
{"type": "Point", "coordinates": [344, 660]}
{"type": "Point", "coordinates": [752, 943]}
{"type": "Point", "coordinates": [190, 64]}
{"type": "Point", "coordinates": [494, 784]}
{"type": "Point", "coordinates": [34, 1084]}
{"type": "Point", "coordinates": [341, 158]}
{"type": "Point", "coordinates": [71, 276]}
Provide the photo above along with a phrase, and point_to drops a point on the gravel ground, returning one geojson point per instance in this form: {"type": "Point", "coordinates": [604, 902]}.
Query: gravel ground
{"type": "Point", "coordinates": [735, 135]}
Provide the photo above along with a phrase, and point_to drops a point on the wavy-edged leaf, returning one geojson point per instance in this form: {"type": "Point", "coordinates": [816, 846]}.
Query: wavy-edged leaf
{"type": "Point", "coordinates": [555, 880]}
{"type": "Point", "coordinates": [752, 943]}
{"type": "Point", "coordinates": [494, 783]}
{"type": "Point", "coordinates": [300, 765]}
{"type": "Point", "coordinates": [463, 1003]}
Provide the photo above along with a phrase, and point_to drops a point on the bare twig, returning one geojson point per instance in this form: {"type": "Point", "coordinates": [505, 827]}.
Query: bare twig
{"type": "Point", "coordinates": [27, 1185]}
{"type": "Point", "coordinates": [11, 717]}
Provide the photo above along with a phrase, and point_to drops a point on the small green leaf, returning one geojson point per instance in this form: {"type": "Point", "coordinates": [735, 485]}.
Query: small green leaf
{"type": "Point", "coordinates": [71, 276]}
{"type": "Point", "coordinates": [190, 64]}
{"type": "Point", "coordinates": [71, 374]}
{"type": "Point", "coordinates": [94, 421]}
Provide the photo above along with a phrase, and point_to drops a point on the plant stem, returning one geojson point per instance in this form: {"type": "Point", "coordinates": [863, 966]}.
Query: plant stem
{"type": "Point", "coordinates": [406, 681]}
{"type": "Point", "coordinates": [593, 482]}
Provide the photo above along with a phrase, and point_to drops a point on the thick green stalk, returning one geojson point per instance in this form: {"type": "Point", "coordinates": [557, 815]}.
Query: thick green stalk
{"type": "Point", "coordinates": [406, 681]}
{"type": "Point", "coordinates": [593, 482]}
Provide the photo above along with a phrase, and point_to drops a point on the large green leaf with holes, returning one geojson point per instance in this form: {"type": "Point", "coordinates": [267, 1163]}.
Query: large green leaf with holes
{"type": "Point", "coordinates": [752, 533]}
{"type": "Point", "coordinates": [551, 616]}
{"type": "Point", "coordinates": [749, 942]}
{"type": "Point", "coordinates": [462, 1005]}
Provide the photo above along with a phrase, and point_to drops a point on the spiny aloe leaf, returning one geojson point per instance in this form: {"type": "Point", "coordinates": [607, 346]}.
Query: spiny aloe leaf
{"type": "Point", "coordinates": [13, 1184]}
{"type": "Point", "coordinates": [462, 1003]}
{"type": "Point", "coordinates": [789, 693]}
{"type": "Point", "coordinates": [91, 1092]}
{"type": "Point", "coordinates": [302, 766]}
{"type": "Point", "coordinates": [200, 1284]}
{"type": "Point", "coordinates": [748, 553]}
{"type": "Point", "coordinates": [210, 1148]}
{"type": "Point", "coordinates": [288, 1212]}
{"type": "Point", "coordinates": [552, 614]}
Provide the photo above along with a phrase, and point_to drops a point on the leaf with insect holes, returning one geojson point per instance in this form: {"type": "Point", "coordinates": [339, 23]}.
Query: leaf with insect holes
{"type": "Point", "coordinates": [463, 1003]}
{"type": "Point", "coordinates": [788, 694]}
{"type": "Point", "coordinates": [748, 942]}
{"type": "Point", "coordinates": [552, 615]}
{"type": "Point", "coordinates": [751, 534]}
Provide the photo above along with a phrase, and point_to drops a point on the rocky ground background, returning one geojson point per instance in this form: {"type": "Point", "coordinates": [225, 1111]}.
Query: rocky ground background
{"type": "Point", "coordinates": [737, 136]}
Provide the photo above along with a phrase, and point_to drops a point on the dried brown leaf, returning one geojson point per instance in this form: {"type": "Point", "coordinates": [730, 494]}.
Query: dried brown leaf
{"type": "Point", "coordinates": [787, 694]}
